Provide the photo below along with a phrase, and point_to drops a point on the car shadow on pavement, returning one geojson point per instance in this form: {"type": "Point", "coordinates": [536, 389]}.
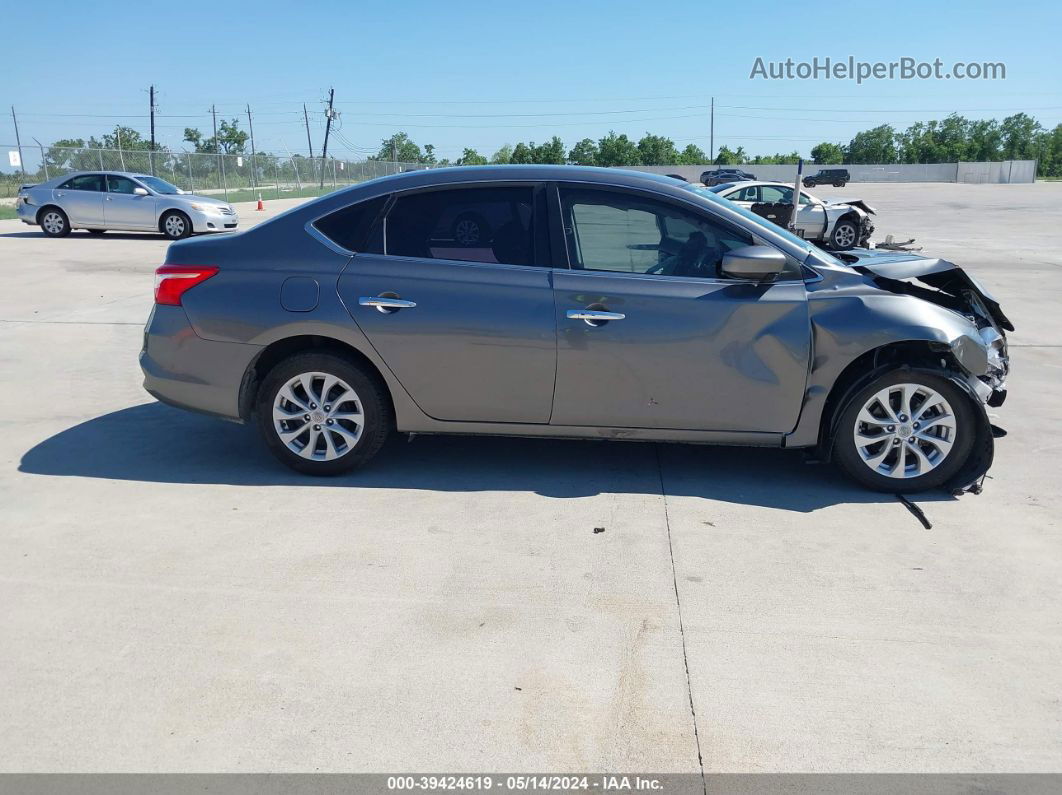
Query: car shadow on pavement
{"type": "Point", "coordinates": [83, 235]}
{"type": "Point", "coordinates": [155, 443]}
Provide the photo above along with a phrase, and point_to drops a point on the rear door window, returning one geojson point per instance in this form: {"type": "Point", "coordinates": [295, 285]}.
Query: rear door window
{"type": "Point", "coordinates": [92, 182]}
{"type": "Point", "coordinates": [487, 225]}
{"type": "Point", "coordinates": [355, 227]}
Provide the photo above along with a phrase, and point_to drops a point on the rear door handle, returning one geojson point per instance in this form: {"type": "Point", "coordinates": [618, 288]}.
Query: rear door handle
{"type": "Point", "coordinates": [386, 304]}
{"type": "Point", "coordinates": [592, 316]}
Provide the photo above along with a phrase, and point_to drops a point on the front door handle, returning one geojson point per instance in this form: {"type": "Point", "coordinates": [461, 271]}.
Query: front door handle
{"type": "Point", "coordinates": [593, 317]}
{"type": "Point", "coordinates": [385, 303]}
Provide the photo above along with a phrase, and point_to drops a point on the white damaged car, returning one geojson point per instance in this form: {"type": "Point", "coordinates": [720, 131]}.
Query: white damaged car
{"type": "Point", "coordinates": [838, 224]}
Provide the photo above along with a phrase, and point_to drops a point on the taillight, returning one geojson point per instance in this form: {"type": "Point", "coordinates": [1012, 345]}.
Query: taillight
{"type": "Point", "coordinates": [173, 281]}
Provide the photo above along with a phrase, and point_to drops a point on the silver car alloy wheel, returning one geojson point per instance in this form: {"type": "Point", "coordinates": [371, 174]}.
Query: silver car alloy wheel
{"type": "Point", "coordinates": [318, 416]}
{"type": "Point", "coordinates": [175, 226]}
{"type": "Point", "coordinates": [905, 431]}
{"type": "Point", "coordinates": [53, 223]}
{"type": "Point", "coordinates": [845, 235]}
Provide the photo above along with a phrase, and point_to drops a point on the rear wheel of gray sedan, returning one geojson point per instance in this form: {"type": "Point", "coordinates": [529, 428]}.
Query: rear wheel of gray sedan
{"type": "Point", "coordinates": [844, 235]}
{"type": "Point", "coordinates": [175, 225]}
{"type": "Point", "coordinates": [54, 222]}
{"type": "Point", "coordinates": [322, 414]}
{"type": "Point", "coordinates": [906, 431]}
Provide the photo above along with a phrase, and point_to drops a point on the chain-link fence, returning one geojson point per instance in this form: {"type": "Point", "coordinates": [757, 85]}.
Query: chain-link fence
{"type": "Point", "coordinates": [237, 177]}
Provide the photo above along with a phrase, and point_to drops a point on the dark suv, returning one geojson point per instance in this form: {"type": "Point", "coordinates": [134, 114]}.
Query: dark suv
{"type": "Point", "coordinates": [837, 177]}
{"type": "Point", "coordinates": [720, 175]}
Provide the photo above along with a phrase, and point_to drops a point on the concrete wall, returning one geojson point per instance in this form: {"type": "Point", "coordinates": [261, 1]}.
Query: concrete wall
{"type": "Point", "coordinates": [1005, 171]}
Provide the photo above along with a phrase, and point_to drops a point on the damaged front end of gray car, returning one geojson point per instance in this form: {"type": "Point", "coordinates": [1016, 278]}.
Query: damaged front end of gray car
{"type": "Point", "coordinates": [917, 351]}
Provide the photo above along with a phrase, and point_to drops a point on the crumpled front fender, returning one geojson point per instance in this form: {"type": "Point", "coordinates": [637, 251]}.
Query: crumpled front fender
{"type": "Point", "coordinates": [852, 320]}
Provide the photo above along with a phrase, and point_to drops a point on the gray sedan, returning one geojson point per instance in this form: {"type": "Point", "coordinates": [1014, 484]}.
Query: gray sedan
{"type": "Point", "coordinates": [102, 200]}
{"type": "Point", "coordinates": [591, 303]}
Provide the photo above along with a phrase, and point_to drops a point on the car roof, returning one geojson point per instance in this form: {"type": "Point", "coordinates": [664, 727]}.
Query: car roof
{"type": "Point", "coordinates": [106, 171]}
{"type": "Point", "coordinates": [433, 177]}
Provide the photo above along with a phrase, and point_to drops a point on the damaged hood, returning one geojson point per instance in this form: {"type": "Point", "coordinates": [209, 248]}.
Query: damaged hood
{"type": "Point", "coordinates": [950, 285]}
{"type": "Point", "coordinates": [859, 204]}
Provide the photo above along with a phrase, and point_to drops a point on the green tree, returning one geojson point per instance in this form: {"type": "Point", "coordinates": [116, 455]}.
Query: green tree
{"type": "Point", "coordinates": [1019, 134]}
{"type": "Point", "coordinates": [550, 152]}
{"type": "Point", "coordinates": [776, 159]}
{"type": "Point", "coordinates": [584, 153]}
{"type": "Point", "coordinates": [503, 155]}
{"type": "Point", "coordinates": [400, 148]}
{"type": "Point", "coordinates": [522, 154]}
{"type": "Point", "coordinates": [877, 145]}
{"type": "Point", "coordinates": [656, 150]}
{"type": "Point", "coordinates": [1051, 152]}
{"type": "Point", "coordinates": [617, 150]}
{"type": "Point", "coordinates": [692, 155]}
{"type": "Point", "coordinates": [231, 140]}
{"type": "Point", "coordinates": [827, 153]}
{"type": "Point", "coordinates": [125, 138]}
{"type": "Point", "coordinates": [985, 140]}
{"type": "Point", "coordinates": [470, 157]}
{"type": "Point", "coordinates": [728, 157]}
{"type": "Point", "coordinates": [69, 154]}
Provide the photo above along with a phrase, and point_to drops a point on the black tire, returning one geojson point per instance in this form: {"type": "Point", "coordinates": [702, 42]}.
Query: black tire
{"type": "Point", "coordinates": [838, 184]}
{"type": "Point", "coordinates": [845, 235]}
{"type": "Point", "coordinates": [372, 398]}
{"type": "Point", "coordinates": [177, 229]}
{"type": "Point", "coordinates": [53, 222]}
{"type": "Point", "coordinates": [96, 231]}
{"type": "Point", "coordinates": [809, 183]}
{"type": "Point", "coordinates": [470, 229]}
{"type": "Point", "coordinates": [846, 453]}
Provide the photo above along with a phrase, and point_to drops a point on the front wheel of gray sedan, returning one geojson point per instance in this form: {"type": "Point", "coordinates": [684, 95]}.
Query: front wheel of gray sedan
{"type": "Point", "coordinates": [322, 414]}
{"type": "Point", "coordinates": [175, 225]}
{"type": "Point", "coordinates": [906, 431]}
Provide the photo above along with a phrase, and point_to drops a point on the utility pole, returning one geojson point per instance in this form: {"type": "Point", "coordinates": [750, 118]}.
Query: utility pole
{"type": "Point", "coordinates": [18, 143]}
{"type": "Point", "coordinates": [254, 162]}
{"type": "Point", "coordinates": [217, 151]}
{"type": "Point", "coordinates": [711, 155]}
{"type": "Point", "coordinates": [328, 127]}
{"type": "Point", "coordinates": [151, 96]}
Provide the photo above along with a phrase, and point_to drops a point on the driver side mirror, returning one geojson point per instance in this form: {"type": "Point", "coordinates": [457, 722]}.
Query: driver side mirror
{"type": "Point", "coordinates": [757, 263]}
{"type": "Point", "coordinates": [140, 192]}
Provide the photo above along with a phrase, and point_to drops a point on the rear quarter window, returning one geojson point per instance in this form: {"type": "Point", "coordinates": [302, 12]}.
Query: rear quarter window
{"type": "Point", "coordinates": [353, 227]}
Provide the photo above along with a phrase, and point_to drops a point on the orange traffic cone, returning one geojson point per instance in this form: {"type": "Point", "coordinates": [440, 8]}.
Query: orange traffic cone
{"type": "Point", "coordinates": [260, 205]}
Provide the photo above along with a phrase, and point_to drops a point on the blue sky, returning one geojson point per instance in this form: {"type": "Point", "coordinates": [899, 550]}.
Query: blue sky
{"type": "Point", "coordinates": [483, 74]}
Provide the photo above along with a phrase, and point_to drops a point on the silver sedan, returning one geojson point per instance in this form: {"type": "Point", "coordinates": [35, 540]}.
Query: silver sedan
{"type": "Point", "coordinates": [102, 200]}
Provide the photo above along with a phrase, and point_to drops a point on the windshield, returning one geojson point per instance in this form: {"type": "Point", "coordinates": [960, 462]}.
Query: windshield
{"type": "Point", "coordinates": [160, 186]}
{"type": "Point", "coordinates": [709, 194]}
{"type": "Point", "coordinates": [721, 188]}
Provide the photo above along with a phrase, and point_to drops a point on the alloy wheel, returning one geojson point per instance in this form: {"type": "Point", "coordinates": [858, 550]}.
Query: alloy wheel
{"type": "Point", "coordinates": [53, 223]}
{"type": "Point", "coordinates": [905, 431]}
{"type": "Point", "coordinates": [845, 235]}
{"type": "Point", "coordinates": [318, 416]}
{"type": "Point", "coordinates": [174, 226]}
